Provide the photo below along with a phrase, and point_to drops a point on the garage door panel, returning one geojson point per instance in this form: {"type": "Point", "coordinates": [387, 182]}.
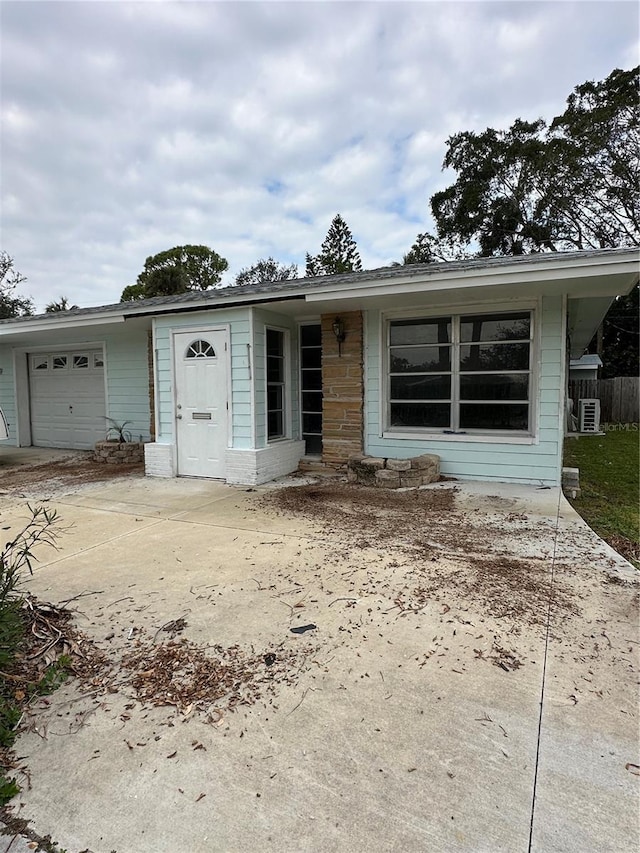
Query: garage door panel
{"type": "Point", "coordinates": [67, 399]}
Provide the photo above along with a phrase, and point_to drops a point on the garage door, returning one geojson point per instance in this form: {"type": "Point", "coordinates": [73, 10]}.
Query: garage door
{"type": "Point", "coordinates": [67, 399]}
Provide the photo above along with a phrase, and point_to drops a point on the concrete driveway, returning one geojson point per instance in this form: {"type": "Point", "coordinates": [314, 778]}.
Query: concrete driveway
{"type": "Point", "coordinates": [470, 683]}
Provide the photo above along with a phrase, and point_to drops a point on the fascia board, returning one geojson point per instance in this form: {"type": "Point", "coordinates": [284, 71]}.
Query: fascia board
{"type": "Point", "coordinates": [556, 271]}
{"type": "Point", "coordinates": [60, 325]}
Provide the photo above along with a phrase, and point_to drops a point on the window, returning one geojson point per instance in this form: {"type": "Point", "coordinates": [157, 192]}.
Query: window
{"type": "Point", "coordinates": [200, 349]}
{"type": "Point", "coordinates": [275, 384]}
{"type": "Point", "coordinates": [98, 360]}
{"type": "Point", "coordinates": [59, 362]}
{"type": "Point", "coordinates": [311, 386]}
{"type": "Point", "coordinates": [80, 362]}
{"type": "Point", "coordinates": [40, 362]}
{"type": "Point", "coordinates": [462, 373]}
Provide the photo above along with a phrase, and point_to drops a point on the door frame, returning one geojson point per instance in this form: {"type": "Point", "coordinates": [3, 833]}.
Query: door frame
{"type": "Point", "coordinates": [200, 330]}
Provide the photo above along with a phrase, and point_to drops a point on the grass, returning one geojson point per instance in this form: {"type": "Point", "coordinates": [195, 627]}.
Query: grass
{"type": "Point", "coordinates": [610, 484]}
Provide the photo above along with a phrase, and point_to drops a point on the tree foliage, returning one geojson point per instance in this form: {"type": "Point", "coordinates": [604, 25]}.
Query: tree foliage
{"type": "Point", "coordinates": [10, 304]}
{"type": "Point", "coordinates": [427, 249]}
{"type": "Point", "coordinates": [265, 270]}
{"type": "Point", "coordinates": [61, 304]}
{"type": "Point", "coordinates": [338, 254]}
{"type": "Point", "coordinates": [573, 184]}
{"type": "Point", "coordinates": [177, 270]}
{"type": "Point", "coordinates": [620, 338]}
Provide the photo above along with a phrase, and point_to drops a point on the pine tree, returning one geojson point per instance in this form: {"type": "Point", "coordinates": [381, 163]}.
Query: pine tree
{"type": "Point", "coordinates": [338, 254]}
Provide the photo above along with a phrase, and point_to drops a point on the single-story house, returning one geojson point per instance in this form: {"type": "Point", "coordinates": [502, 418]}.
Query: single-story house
{"type": "Point", "coordinates": [585, 367]}
{"type": "Point", "coordinates": [467, 360]}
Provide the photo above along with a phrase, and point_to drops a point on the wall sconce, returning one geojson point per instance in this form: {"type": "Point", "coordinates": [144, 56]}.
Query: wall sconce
{"type": "Point", "coordinates": [339, 332]}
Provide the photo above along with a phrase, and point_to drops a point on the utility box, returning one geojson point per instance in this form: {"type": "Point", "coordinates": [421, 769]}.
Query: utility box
{"type": "Point", "coordinates": [589, 415]}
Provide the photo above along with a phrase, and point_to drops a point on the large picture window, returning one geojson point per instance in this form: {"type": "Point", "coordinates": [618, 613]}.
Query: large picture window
{"type": "Point", "coordinates": [461, 373]}
{"type": "Point", "coordinates": [275, 384]}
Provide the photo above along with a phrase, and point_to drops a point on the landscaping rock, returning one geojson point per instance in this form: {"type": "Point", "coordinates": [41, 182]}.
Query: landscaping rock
{"type": "Point", "coordinates": [388, 479]}
{"type": "Point", "coordinates": [399, 464]}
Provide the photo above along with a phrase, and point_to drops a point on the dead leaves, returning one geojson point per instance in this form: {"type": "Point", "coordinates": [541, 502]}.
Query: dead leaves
{"type": "Point", "coordinates": [192, 677]}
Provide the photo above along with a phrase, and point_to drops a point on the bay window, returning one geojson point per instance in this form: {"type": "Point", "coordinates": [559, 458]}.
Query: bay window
{"type": "Point", "coordinates": [460, 373]}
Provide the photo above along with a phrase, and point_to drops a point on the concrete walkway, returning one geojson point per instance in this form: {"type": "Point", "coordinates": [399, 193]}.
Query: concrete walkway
{"type": "Point", "coordinates": [397, 727]}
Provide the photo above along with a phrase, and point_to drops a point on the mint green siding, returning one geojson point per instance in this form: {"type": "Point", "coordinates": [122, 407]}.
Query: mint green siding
{"type": "Point", "coordinates": [261, 320]}
{"type": "Point", "coordinates": [247, 371]}
{"type": "Point", "coordinates": [127, 381]}
{"type": "Point", "coordinates": [535, 460]}
{"type": "Point", "coordinates": [238, 321]}
{"type": "Point", "coordinates": [7, 393]}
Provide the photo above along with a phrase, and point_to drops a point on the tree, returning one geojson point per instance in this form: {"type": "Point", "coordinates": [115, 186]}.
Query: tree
{"type": "Point", "coordinates": [61, 304]}
{"type": "Point", "coordinates": [428, 249]}
{"type": "Point", "coordinates": [177, 270]}
{"type": "Point", "coordinates": [266, 269]}
{"type": "Point", "coordinates": [10, 278]}
{"type": "Point", "coordinates": [620, 339]}
{"type": "Point", "coordinates": [598, 137]}
{"type": "Point", "coordinates": [533, 188]}
{"type": "Point", "coordinates": [338, 254]}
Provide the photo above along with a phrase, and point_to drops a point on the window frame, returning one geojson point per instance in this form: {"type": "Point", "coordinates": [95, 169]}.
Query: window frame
{"type": "Point", "coordinates": [284, 385]}
{"type": "Point", "coordinates": [455, 433]}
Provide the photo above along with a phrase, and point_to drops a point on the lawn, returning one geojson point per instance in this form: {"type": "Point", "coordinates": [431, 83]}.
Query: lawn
{"type": "Point", "coordinates": [609, 480]}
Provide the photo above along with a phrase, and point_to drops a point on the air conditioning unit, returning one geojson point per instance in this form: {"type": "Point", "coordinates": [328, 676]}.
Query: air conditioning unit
{"type": "Point", "coordinates": [589, 415]}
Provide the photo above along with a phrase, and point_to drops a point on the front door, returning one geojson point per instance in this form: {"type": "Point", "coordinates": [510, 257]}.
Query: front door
{"type": "Point", "coordinates": [201, 395]}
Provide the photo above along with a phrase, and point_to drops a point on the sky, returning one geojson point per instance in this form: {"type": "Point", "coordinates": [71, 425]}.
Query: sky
{"type": "Point", "coordinates": [130, 128]}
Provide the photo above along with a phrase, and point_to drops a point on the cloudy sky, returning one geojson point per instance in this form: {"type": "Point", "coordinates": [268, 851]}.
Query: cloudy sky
{"type": "Point", "coordinates": [129, 128]}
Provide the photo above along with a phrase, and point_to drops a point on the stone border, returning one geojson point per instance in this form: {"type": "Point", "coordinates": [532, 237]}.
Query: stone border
{"type": "Point", "coordinates": [118, 452]}
{"type": "Point", "coordinates": [393, 473]}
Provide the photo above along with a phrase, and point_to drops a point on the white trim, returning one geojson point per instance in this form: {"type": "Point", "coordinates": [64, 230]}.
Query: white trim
{"type": "Point", "coordinates": [466, 437]}
{"type": "Point", "coordinates": [22, 397]}
{"type": "Point", "coordinates": [251, 365]}
{"type": "Point", "coordinates": [551, 268]}
{"type": "Point", "coordinates": [286, 389]}
{"type": "Point", "coordinates": [564, 383]}
{"type": "Point", "coordinates": [156, 380]}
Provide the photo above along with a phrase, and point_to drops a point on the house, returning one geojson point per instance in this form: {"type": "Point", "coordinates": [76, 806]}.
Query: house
{"type": "Point", "coordinates": [585, 367]}
{"type": "Point", "coordinates": [467, 360]}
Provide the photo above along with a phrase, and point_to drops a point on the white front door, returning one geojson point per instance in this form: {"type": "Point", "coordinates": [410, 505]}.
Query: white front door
{"type": "Point", "coordinates": [201, 395]}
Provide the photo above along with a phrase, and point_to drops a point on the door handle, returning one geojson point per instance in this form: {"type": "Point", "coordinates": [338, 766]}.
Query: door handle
{"type": "Point", "coordinates": [178, 417]}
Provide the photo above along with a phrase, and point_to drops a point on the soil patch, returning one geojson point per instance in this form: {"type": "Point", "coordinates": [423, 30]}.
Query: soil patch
{"type": "Point", "coordinates": [48, 478]}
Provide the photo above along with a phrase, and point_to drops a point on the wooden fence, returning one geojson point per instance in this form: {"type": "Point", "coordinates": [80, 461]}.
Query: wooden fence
{"type": "Point", "coordinates": [619, 398]}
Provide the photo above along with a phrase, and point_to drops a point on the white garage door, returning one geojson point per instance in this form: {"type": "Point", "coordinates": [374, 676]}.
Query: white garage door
{"type": "Point", "coordinates": [67, 399]}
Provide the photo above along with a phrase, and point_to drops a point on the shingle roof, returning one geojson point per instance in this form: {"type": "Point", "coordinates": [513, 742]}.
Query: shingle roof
{"type": "Point", "coordinates": [217, 297]}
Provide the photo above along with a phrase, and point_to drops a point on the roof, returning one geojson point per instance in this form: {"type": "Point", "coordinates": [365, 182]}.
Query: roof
{"type": "Point", "coordinates": [586, 362]}
{"type": "Point", "coordinates": [412, 275]}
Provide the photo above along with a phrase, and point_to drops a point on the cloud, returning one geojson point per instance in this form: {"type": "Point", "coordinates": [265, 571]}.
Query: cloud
{"type": "Point", "coordinates": [129, 128]}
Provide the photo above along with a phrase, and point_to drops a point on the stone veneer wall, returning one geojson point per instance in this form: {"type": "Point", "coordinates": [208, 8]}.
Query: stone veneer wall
{"type": "Point", "coordinates": [343, 389]}
{"type": "Point", "coordinates": [119, 452]}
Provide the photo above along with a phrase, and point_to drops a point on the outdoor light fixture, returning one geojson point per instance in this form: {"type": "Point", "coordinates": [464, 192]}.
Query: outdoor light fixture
{"type": "Point", "coordinates": [339, 332]}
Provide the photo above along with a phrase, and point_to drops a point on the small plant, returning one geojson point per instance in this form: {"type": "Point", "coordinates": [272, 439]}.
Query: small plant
{"type": "Point", "coordinates": [118, 432]}
{"type": "Point", "coordinates": [16, 557]}
{"type": "Point", "coordinates": [55, 675]}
